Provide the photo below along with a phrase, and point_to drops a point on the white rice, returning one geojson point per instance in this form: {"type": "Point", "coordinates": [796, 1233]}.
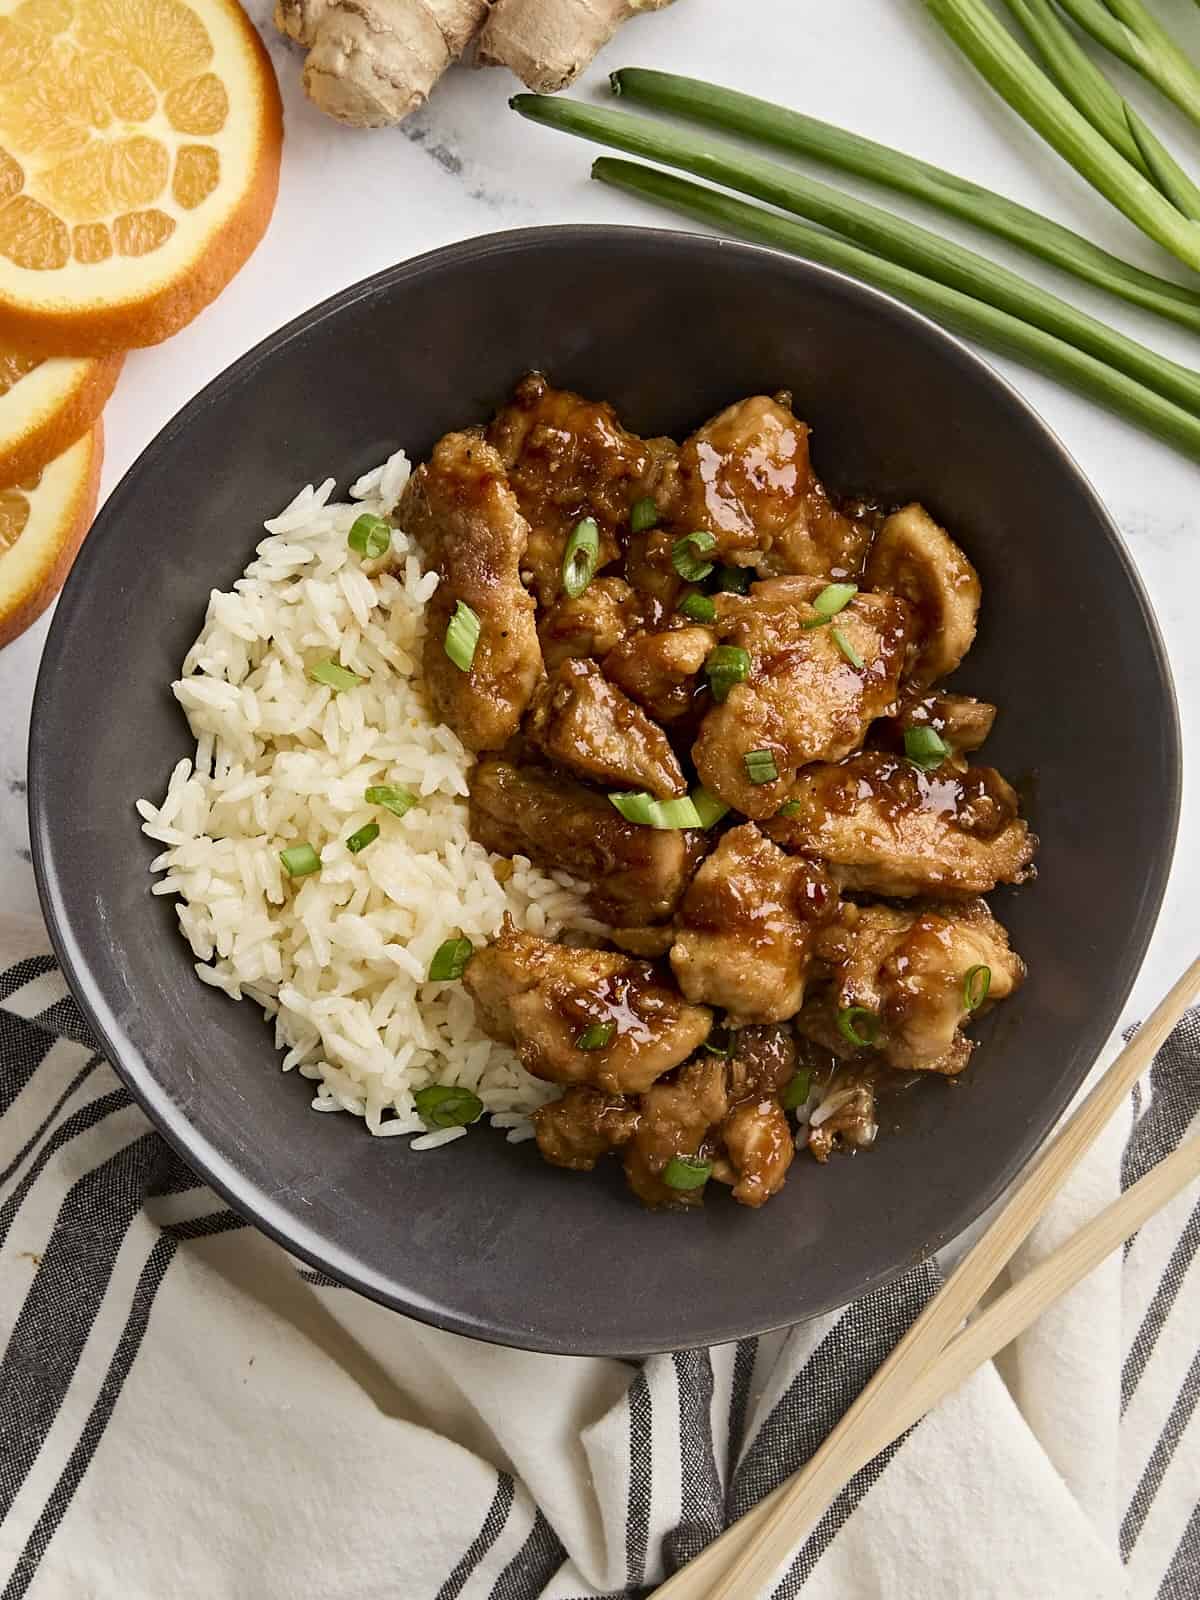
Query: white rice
{"type": "Point", "coordinates": [339, 958]}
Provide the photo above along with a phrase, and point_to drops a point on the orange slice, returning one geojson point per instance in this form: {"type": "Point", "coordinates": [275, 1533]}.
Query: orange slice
{"type": "Point", "coordinates": [139, 160]}
{"type": "Point", "coordinates": [45, 405]}
{"type": "Point", "coordinates": [42, 524]}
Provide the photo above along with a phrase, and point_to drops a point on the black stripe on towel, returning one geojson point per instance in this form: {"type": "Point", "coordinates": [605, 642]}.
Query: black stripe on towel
{"type": "Point", "coordinates": [53, 1324]}
{"type": "Point", "coordinates": [1181, 1580]}
{"type": "Point", "coordinates": [493, 1527]}
{"type": "Point", "coordinates": [533, 1566]}
{"type": "Point", "coordinates": [641, 1479]}
{"type": "Point", "coordinates": [65, 1018]}
{"type": "Point", "coordinates": [14, 978]}
{"type": "Point", "coordinates": [22, 1051]}
{"type": "Point", "coordinates": [834, 1520]}
{"type": "Point", "coordinates": [119, 1368]}
{"type": "Point", "coordinates": [1160, 1307]}
{"type": "Point", "coordinates": [739, 1405]}
{"type": "Point", "coordinates": [81, 1076]}
{"type": "Point", "coordinates": [829, 1382]}
{"type": "Point", "coordinates": [78, 1122]}
{"type": "Point", "coordinates": [701, 1497]}
{"type": "Point", "coordinates": [1160, 1459]}
{"type": "Point", "coordinates": [1174, 1101]}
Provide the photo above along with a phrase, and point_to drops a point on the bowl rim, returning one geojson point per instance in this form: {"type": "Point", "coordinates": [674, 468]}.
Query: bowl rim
{"type": "Point", "coordinates": [211, 1163]}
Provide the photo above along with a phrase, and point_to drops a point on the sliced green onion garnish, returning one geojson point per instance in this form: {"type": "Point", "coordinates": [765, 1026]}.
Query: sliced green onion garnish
{"type": "Point", "coordinates": [760, 766]}
{"type": "Point", "coordinates": [725, 666]}
{"type": "Point", "coordinates": [789, 808]}
{"type": "Point", "coordinates": [734, 580]}
{"type": "Point", "coordinates": [644, 515]}
{"type": "Point", "coordinates": [684, 560]}
{"type": "Point", "coordinates": [716, 1049]}
{"type": "Point", "coordinates": [595, 1036]}
{"type": "Point", "coordinates": [462, 635]}
{"type": "Point", "coordinates": [299, 860]}
{"type": "Point", "coordinates": [699, 608]}
{"type": "Point", "coordinates": [638, 806]}
{"type": "Point", "coordinates": [925, 747]}
{"type": "Point", "coordinates": [450, 960]}
{"type": "Point", "coordinates": [370, 536]}
{"type": "Point", "coordinates": [334, 676]}
{"type": "Point", "coordinates": [580, 557]}
{"type": "Point", "coordinates": [684, 1172]}
{"type": "Point", "coordinates": [976, 983]}
{"type": "Point", "coordinates": [834, 597]}
{"type": "Point", "coordinates": [366, 835]}
{"type": "Point", "coordinates": [709, 809]}
{"type": "Point", "coordinates": [446, 1105]}
{"type": "Point", "coordinates": [858, 1025]}
{"type": "Point", "coordinates": [847, 649]}
{"type": "Point", "coordinates": [391, 796]}
{"type": "Point", "coordinates": [635, 805]}
{"type": "Point", "coordinates": [797, 1091]}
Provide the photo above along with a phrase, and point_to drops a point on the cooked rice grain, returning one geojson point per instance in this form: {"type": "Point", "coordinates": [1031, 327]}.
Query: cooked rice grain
{"type": "Point", "coordinates": [338, 959]}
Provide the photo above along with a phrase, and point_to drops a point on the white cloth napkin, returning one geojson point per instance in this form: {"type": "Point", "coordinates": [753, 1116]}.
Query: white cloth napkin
{"type": "Point", "coordinates": [186, 1412]}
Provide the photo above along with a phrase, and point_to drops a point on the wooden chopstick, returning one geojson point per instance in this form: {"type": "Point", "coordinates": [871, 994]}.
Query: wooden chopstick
{"type": "Point", "coordinates": [912, 1372]}
{"type": "Point", "coordinates": [982, 1339]}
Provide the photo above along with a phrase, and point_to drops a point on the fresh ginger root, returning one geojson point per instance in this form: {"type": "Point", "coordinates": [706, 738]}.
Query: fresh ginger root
{"type": "Point", "coordinates": [547, 43]}
{"type": "Point", "coordinates": [371, 62]}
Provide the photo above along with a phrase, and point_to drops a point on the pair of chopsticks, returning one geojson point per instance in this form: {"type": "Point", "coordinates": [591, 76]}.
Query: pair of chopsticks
{"type": "Point", "coordinates": [938, 1353]}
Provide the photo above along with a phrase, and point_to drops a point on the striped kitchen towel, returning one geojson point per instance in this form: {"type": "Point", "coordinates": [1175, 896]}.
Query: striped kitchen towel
{"type": "Point", "coordinates": [186, 1412]}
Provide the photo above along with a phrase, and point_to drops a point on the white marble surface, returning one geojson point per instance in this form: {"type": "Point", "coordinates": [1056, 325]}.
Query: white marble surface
{"type": "Point", "coordinates": [351, 203]}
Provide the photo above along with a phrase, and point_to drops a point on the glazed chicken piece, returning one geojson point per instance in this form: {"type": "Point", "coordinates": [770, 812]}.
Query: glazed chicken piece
{"type": "Point", "coordinates": [762, 1060]}
{"type": "Point", "coordinates": [581, 721]}
{"type": "Point", "coordinates": [883, 826]}
{"type": "Point", "coordinates": [804, 699]}
{"type": "Point", "coordinates": [585, 1124]}
{"type": "Point", "coordinates": [568, 458]}
{"type": "Point", "coordinates": [756, 1134]}
{"type": "Point", "coordinates": [638, 874]}
{"type": "Point", "coordinates": [650, 569]}
{"type": "Point", "coordinates": [963, 723]}
{"type": "Point", "coordinates": [846, 1116]}
{"type": "Point", "coordinates": [582, 1016]}
{"type": "Point", "coordinates": [595, 622]}
{"type": "Point", "coordinates": [677, 1119]}
{"type": "Point", "coordinates": [461, 509]}
{"type": "Point", "coordinates": [746, 477]}
{"type": "Point", "coordinates": [915, 559]}
{"type": "Point", "coordinates": [759, 1149]}
{"type": "Point", "coordinates": [920, 973]}
{"type": "Point", "coordinates": [661, 671]}
{"type": "Point", "coordinates": [649, 943]}
{"type": "Point", "coordinates": [747, 928]}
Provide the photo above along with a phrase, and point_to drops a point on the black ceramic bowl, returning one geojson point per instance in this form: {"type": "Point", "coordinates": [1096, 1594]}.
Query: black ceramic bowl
{"type": "Point", "coordinates": [482, 1237]}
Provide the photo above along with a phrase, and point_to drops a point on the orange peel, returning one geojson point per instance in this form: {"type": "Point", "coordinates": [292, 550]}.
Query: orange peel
{"type": "Point", "coordinates": [45, 405]}
{"type": "Point", "coordinates": [139, 163]}
{"type": "Point", "coordinates": [42, 524]}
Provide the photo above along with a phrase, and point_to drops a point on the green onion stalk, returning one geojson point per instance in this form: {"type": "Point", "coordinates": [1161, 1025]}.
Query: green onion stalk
{"type": "Point", "coordinates": [1135, 36]}
{"type": "Point", "coordinates": [1001, 61]}
{"type": "Point", "coordinates": [1090, 92]}
{"type": "Point", "coordinates": [1078, 76]}
{"type": "Point", "coordinates": [897, 240]}
{"type": "Point", "coordinates": [974, 319]}
{"type": "Point", "coordinates": [784, 129]}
